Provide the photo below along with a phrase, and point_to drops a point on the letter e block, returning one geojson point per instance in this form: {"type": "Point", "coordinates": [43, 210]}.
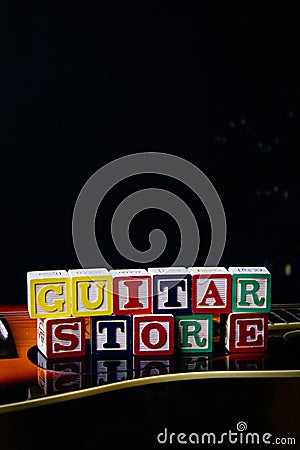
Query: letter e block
{"type": "Point", "coordinates": [60, 338]}
{"type": "Point", "coordinates": [153, 335]}
{"type": "Point", "coordinates": [111, 336]}
{"type": "Point", "coordinates": [251, 289]}
{"type": "Point", "coordinates": [246, 332]}
{"type": "Point", "coordinates": [194, 334]}
{"type": "Point", "coordinates": [48, 294]}
{"type": "Point", "coordinates": [91, 292]}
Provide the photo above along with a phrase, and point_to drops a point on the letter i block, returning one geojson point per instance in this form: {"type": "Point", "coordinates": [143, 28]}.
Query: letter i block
{"type": "Point", "coordinates": [246, 332]}
{"type": "Point", "coordinates": [48, 294]}
{"type": "Point", "coordinates": [91, 292]}
{"type": "Point", "coordinates": [132, 292]}
{"type": "Point", "coordinates": [194, 334]}
{"type": "Point", "coordinates": [251, 289]}
{"type": "Point", "coordinates": [111, 336]}
{"type": "Point", "coordinates": [60, 338]}
{"type": "Point", "coordinates": [211, 290]}
{"type": "Point", "coordinates": [172, 290]}
{"type": "Point", "coordinates": [153, 335]}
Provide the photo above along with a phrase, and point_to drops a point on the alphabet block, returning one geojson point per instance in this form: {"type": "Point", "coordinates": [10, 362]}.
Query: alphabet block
{"type": "Point", "coordinates": [153, 335]}
{"type": "Point", "coordinates": [48, 294]}
{"type": "Point", "coordinates": [251, 289]}
{"type": "Point", "coordinates": [172, 289]}
{"type": "Point", "coordinates": [111, 336]}
{"type": "Point", "coordinates": [246, 332]}
{"type": "Point", "coordinates": [194, 334]}
{"type": "Point", "coordinates": [132, 292]}
{"type": "Point", "coordinates": [60, 338]}
{"type": "Point", "coordinates": [211, 290]}
{"type": "Point", "coordinates": [149, 367]}
{"type": "Point", "coordinates": [91, 292]}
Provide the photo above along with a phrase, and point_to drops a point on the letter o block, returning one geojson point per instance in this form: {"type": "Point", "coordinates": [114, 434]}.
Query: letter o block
{"type": "Point", "coordinates": [60, 338]}
{"type": "Point", "coordinates": [153, 335]}
{"type": "Point", "coordinates": [246, 332]}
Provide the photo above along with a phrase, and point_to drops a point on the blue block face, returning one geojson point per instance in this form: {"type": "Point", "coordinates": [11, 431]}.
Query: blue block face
{"type": "Point", "coordinates": [111, 336]}
{"type": "Point", "coordinates": [172, 294]}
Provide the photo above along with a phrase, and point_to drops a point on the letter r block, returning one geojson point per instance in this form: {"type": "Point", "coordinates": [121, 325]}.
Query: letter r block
{"type": "Point", "coordinates": [194, 334]}
{"type": "Point", "coordinates": [91, 292]}
{"type": "Point", "coordinates": [251, 289]}
{"type": "Point", "coordinates": [111, 336]}
{"type": "Point", "coordinates": [60, 338]}
{"type": "Point", "coordinates": [153, 335]}
{"type": "Point", "coordinates": [246, 332]}
{"type": "Point", "coordinates": [48, 294]}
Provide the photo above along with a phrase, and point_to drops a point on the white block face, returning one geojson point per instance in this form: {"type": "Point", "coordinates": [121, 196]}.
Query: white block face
{"type": "Point", "coordinates": [182, 294]}
{"type": "Point", "coordinates": [207, 270]}
{"type": "Point", "coordinates": [248, 270]}
{"type": "Point", "coordinates": [41, 336]}
{"type": "Point", "coordinates": [53, 294]}
{"type": "Point", "coordinates": [96, 294]}
{"type": "Point", "coordinates": [202, 285]}
{"type": "Point", "coordinates": [128, 272]}
{"type": "Point", "coordinates": [142, 292]}
{"type": "Point", "coordinates": [202, 335]}
{"type": "Point", "coordinates": [249, 298]}
{"type": "Point", "coordinates": [154, 336]}
{"type": "Point", "coordinates": [168, 271]}
{"type": "Point", "coordinates": [252, 325]}
{"type": "Point", "coordinates": [59, 328]}
{"type": "Point", "coordinates": [120, 336]}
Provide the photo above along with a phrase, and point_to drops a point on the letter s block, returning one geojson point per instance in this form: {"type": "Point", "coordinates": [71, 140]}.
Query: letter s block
{"type": "Point", "coordinates": [48, 294]}
{"type": "Point", "coordinates": [153, 335]}
{"type": "Point", "coordinates": [246, 332]}
{"type": "Point", "coordinates": [194, 333]}
{"type": "Point", "coordinates": [60, 338]}
{"type": "Point", "coordinates": [91, 292]}
{"type": "Point", "coordinates": [251, 289]}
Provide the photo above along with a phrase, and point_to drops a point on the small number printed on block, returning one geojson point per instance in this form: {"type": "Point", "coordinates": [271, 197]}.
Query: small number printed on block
{"type": "Point", "coordinates": [132, 292]}
{"type": "Point", "coordinates": [194, 334]}
{"type": "Point", "coordinates": [211, 290]}
{"type": "Point", "coordinates": [60, 338]}
{"type": "Point", "coordinates": [171, 288]}
{"type": "Point", "coordinates": [153, 335]}
{"type": "Point", "coordinates": [251, 289]}
{"type": "Point", "coordinates": [111, 336]}
{"type": "Point", "coordinates": [246, 332]}
{"type": "Point", "coordinates": [48, 294]}
{"type": "Point", "coordinates": [91, 292]}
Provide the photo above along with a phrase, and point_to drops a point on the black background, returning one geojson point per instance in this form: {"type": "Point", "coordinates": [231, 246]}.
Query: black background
{"type": "Point", "coordinates": [215, 84]}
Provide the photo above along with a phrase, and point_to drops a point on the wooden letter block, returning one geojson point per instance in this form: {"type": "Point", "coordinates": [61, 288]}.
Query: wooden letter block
{"type": "Point", "coordinates": [60, 338]}
{"type": "Point", "coordinates": [171, 289]}
{"type": "Point", "coordinates": [48, 294]}
{"type": "Point", "coordinates": [251, 289]}
{"type": "Point", "coordinates": [194, 333]}
{"type": "Point", "coordinates": [153, 335]}
{"type": "Point", "coordinates": [211, 290]}
{"type": "Point", "coordinates": [132, 292]}
{"type": "Point", "coordinates": [246, 332]}
{"type": "Point", "coordinates": [91, 292]}
{"type": "Point", "coordinates": [111, 336]}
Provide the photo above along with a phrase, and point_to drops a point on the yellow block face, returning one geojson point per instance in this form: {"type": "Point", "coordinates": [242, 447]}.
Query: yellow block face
{"type": "Point", "coordinates": [49, 297]}
{"type": "Point", "coordinates": [91, 295]}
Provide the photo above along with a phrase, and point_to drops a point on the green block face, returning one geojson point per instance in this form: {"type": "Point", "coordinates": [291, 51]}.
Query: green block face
{"type": "Point", "coordinates": [194, 333]}
{"type": "Point", "coordinates": [251, 292]}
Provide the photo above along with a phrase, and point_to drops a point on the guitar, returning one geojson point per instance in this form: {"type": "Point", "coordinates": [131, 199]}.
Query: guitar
{"type": "Point", "coordinates": [28, 379]}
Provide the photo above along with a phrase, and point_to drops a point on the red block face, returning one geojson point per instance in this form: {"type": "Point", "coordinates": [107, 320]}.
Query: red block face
{"type": "Point", "coordinates": [246, 332]}
{"type": "Point", "coordinates": [153, 335]}
{"type": "Point", "coordinates": [132, 295]}
{"type": "Point", "coordinates": [211, 293]}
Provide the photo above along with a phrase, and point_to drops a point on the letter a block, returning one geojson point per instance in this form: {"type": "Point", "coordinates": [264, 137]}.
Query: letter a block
{"type": "Point", "coordinates": [91, 292]}
{"type": "Point", "coordinates": [194, 333]}
{"type": "Point", "coordinates": [211, 290]}
{"type": "Point", "coordinates": [251, 289]}
{"type": "Point", "coordinates": [111, 336]}
{"type": "Point", "coordinates": [153, 335]}
{"type": "Point", "coordinates": [246, 332]}
{"type": "Point", "coordinates": [48, 294]}
{"type": "Point", "coordinates": [172, 290]}
{"type": "Point", "coordinates": [60, 338]}
{"type": "Point", "coordinates": [132, 292]}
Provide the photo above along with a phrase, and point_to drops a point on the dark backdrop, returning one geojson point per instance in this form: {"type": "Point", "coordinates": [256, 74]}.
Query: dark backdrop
{"type": "Point", "coordinates": [215, 84]}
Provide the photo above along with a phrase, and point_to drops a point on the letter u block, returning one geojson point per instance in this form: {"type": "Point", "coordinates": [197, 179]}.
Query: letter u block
{"type": "Point", "coordinates": [251, 289]}
{"type": "Point", "coordinates": [48, 294]}
{"type": "Point", "coordinates": [153, 335]}
{"type": "Point", "coordinates": [132, 292]}
{"type": "Point", "coordinates": [111, 336]}
{"type": "Point", "coordinates": [246, 332]}
{"type": "Point", "coordinates": [91, 292]}
{"type": "Point", "coordinates": [194, 334]}
{"type": "Point", "coordinates": [60, 338]}
{"type": "Point", "coordinates": [211, 290]}
{"type": "Point", "coordinates": [172, 290]}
